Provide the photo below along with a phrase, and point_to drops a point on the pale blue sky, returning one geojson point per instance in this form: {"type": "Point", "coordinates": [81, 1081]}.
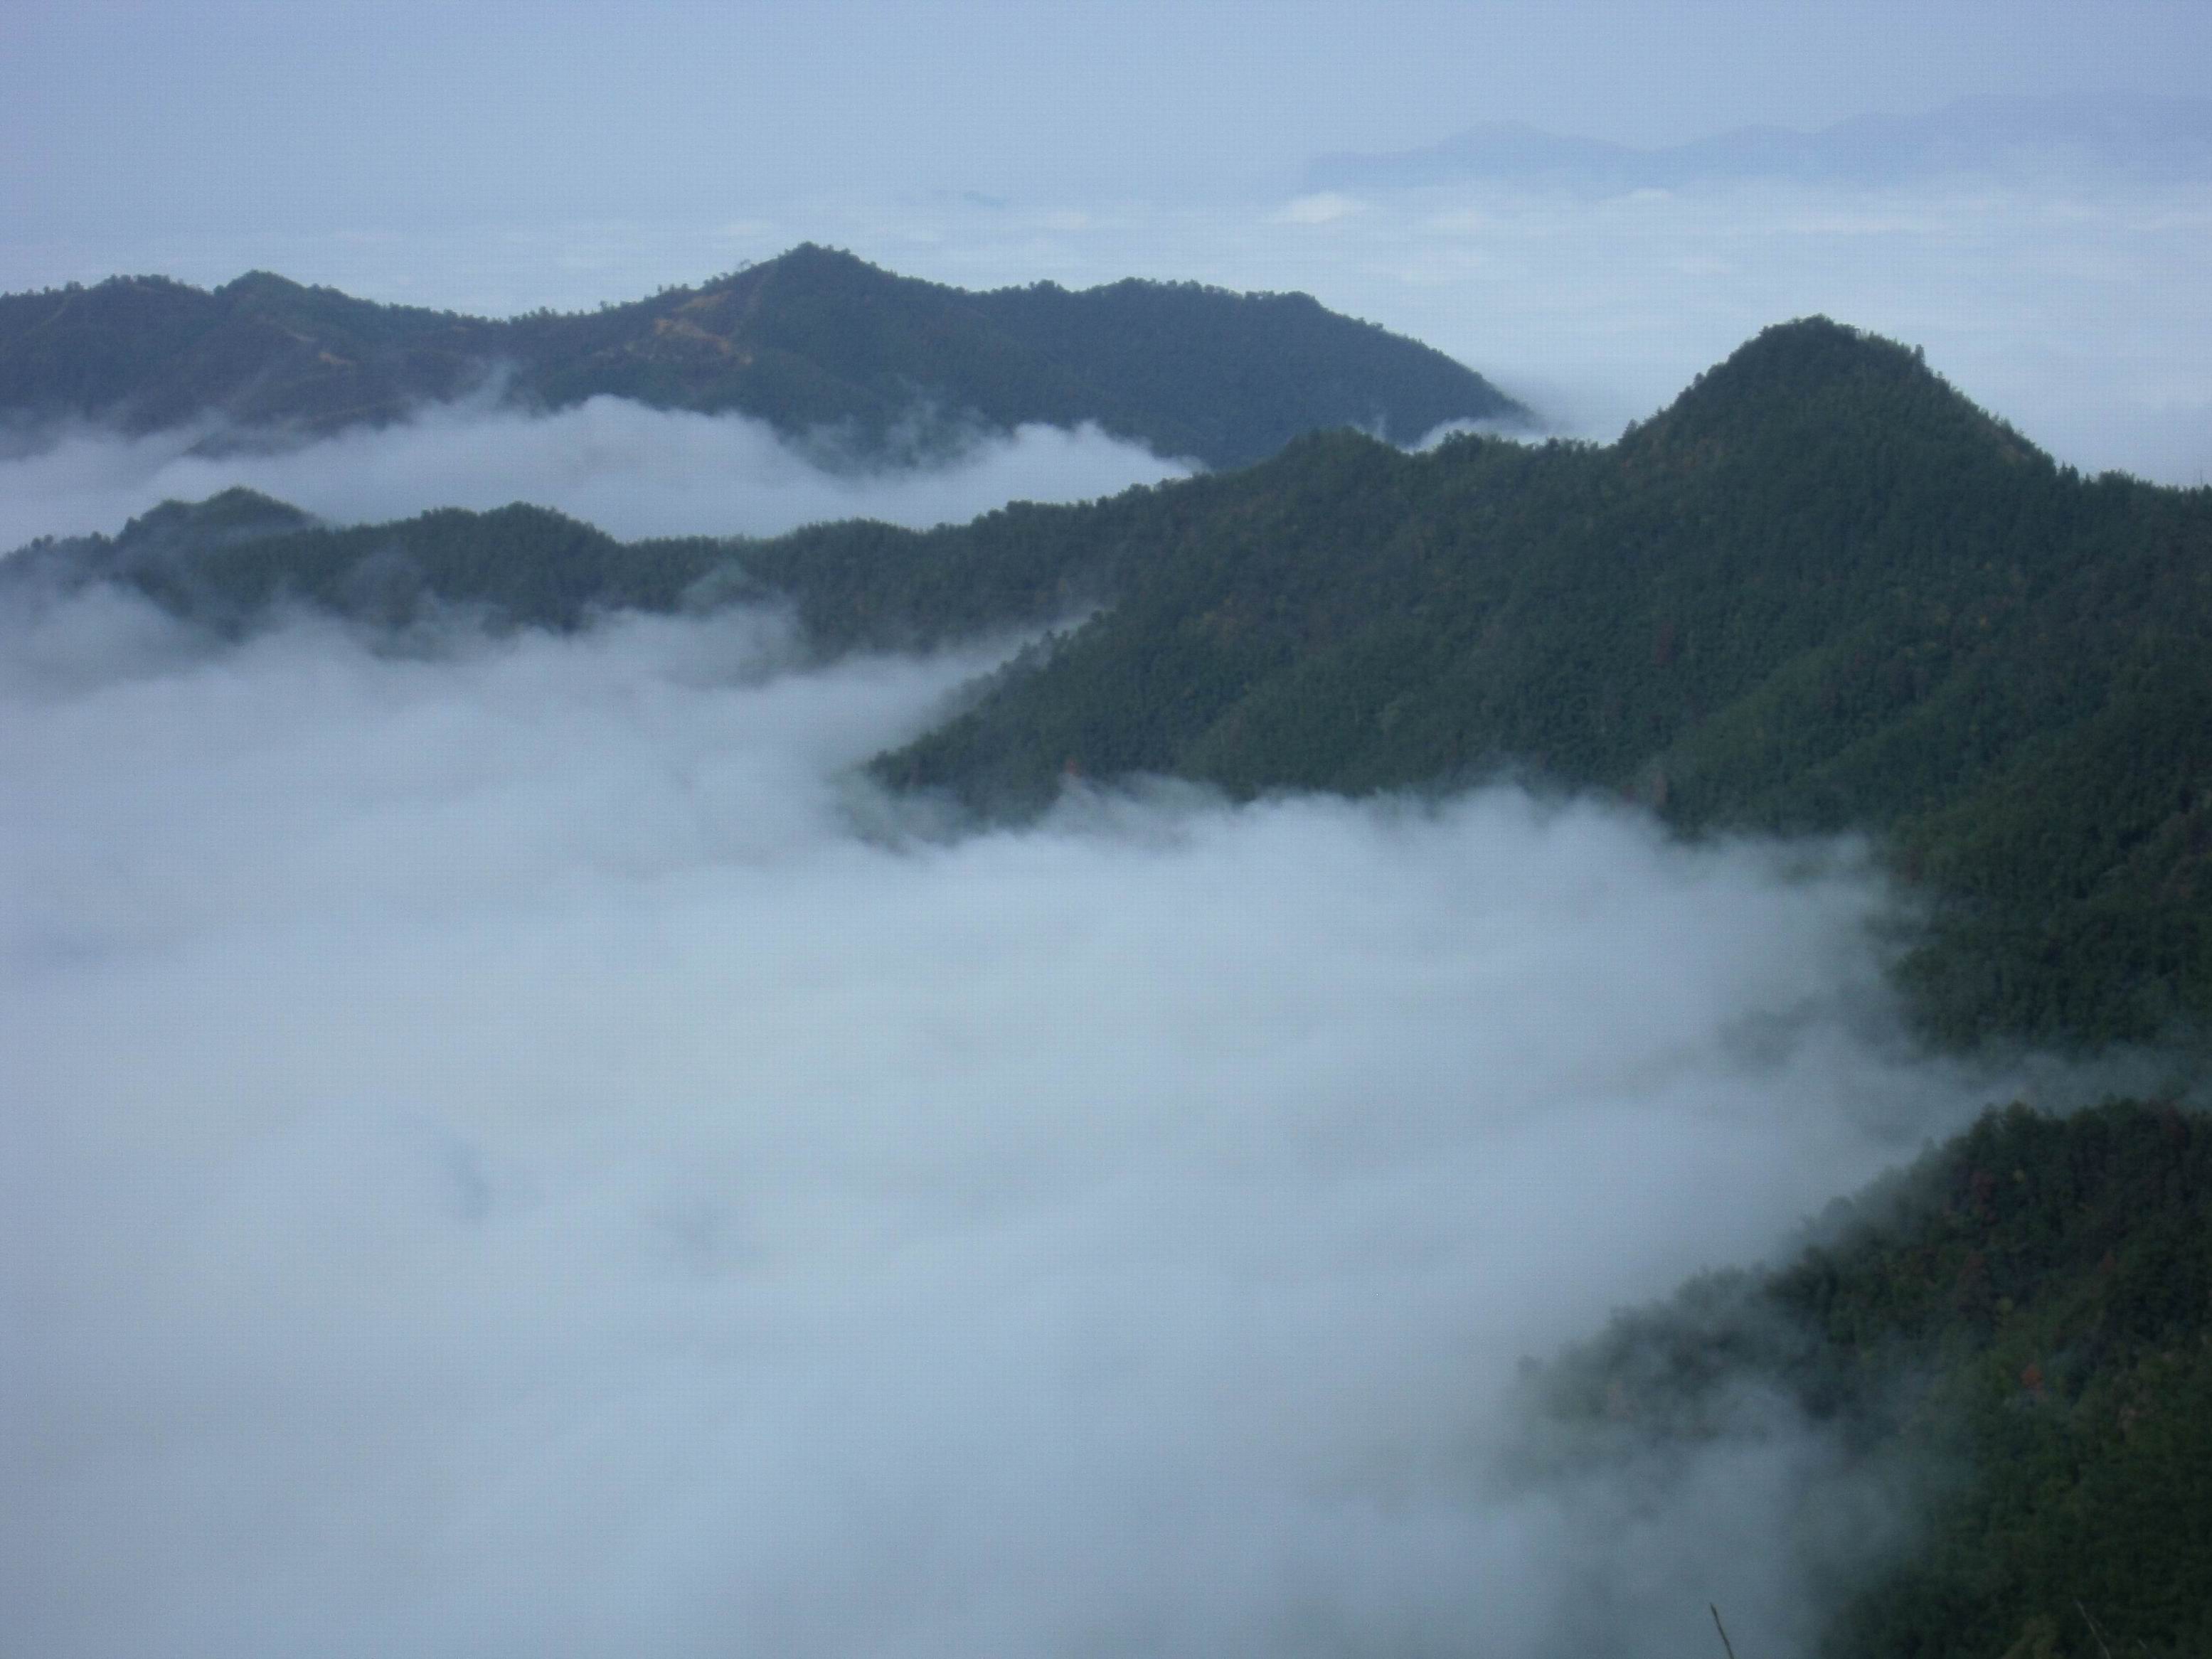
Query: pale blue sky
{"type": "Point", "coordinates": [245, 115]}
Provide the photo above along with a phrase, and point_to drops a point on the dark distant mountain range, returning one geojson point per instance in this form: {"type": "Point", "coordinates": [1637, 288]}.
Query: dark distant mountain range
{"type": "Point", "coordinates": [2146, 139]}
{"type": "Point", "coordinates": [1823, 591]}
{"type": "Point", "coordinates": [817, 342]}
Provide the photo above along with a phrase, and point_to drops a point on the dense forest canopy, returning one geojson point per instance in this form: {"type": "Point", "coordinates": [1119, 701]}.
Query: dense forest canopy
{"type": "Point", "coordinates": [1820, 592]}
{"type": "Point", "coordinates": [816, 343]}
{"type": "Point", "coordinates": [2012, 1338]}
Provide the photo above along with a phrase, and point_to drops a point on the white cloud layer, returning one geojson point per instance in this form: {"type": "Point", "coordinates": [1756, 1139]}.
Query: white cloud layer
{"type": "Point", "coordinates": [631, 469]}
{"type": "Point", "coordinates": [507, 1151]}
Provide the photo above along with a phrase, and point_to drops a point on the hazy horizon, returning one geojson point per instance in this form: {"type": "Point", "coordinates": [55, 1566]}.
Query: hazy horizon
{"type": "Point", "coordinates": [491, 160]}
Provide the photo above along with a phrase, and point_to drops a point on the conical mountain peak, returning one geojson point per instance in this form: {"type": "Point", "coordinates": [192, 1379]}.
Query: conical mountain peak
{"type": "Point", "coordinates": [1799, 389]}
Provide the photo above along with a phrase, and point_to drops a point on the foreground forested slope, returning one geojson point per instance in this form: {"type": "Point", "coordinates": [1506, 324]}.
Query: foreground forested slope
{"type": "Point", "coordinates": [815, 342]}
{"type": "Point", "coordinates": [2012, 1342]}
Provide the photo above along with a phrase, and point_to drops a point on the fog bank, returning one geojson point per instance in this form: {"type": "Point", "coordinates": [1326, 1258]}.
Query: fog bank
{"type": "Point", "coordinates": [633, 470]}
{"type": "Point", "coordinates": [513, 1150]}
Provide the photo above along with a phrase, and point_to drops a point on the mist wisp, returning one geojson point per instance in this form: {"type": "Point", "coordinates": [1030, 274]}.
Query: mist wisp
{"type": "Point", "coordinates": [633, 470]}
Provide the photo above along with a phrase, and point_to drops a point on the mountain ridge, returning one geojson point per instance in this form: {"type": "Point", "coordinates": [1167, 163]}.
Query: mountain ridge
{"type": "Point", "coordinates": [1875, 607]}
{"type": "Point", "coordinates": [817, 342]}
{"type": "Point", "coordinates": [1821, 590]}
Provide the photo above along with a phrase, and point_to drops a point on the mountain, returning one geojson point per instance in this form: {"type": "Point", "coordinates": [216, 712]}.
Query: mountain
{"type": "Point", "coordinates": [2146, 139]}
{"type": "Point", "coordinates": [1820, 592]}
{"type": "Point", "coordinates": [226, 563]}
{"type": "Point", "coordinates": [815, 342]}
{"type": "Point", "coordinates": [2010, 1341]}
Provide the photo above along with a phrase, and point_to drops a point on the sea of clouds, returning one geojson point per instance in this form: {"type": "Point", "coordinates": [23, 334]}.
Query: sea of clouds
{"type": "Point", "coordinates": [512, 1147]}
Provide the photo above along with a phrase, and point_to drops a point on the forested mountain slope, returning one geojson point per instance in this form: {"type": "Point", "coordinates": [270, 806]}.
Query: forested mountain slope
{"type": "Point", "coordinates": [2013, 1340]}
{"type": "Point", "coordinates": [227, 562]}
{"type": "Point", "coordinates": [813, 341]}
{"type": "Point", "coordinates": [1821, 591]}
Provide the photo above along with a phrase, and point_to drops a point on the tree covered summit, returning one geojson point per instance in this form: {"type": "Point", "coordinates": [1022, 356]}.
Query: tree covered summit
{"type": "Point", "coordinates": [816, 343]}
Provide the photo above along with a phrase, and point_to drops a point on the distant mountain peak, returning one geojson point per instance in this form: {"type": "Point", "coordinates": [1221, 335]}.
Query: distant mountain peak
{"type": "Point", "coordinates": [1808, 354]}
{"type": "Point", "coordinates": [815, 339]}
{"type": "Point", "coordinates": [803, 254]}
{"type": "Point", "coordinates": [1797, 381]}
{"type": "Point", "coordinates": [238, 507]}
{"type": "Point", "coordinates": [259, 282]}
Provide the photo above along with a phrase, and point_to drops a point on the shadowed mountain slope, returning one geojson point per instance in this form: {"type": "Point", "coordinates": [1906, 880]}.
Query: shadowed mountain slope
{"type": "Point", "coordinates": [815, 342]}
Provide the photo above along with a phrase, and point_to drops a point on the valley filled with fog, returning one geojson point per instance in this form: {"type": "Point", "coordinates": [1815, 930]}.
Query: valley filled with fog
{"type": "Point", "coordinates": [513, 1146]}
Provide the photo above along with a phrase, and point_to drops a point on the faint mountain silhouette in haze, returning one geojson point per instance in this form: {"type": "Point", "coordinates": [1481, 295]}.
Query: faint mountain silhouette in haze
{"type": "Point", "coordinates": [2152, 140]}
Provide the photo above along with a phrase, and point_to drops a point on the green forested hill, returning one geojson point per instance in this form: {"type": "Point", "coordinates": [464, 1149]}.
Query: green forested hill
{"type": "Point", "coordinates": [145, 353]}
{"type": "Point", "coordinates": [1821, 591]}
{"type": "Point", "coordinates": [2013, 1339]}
{"type": "Point", "coordinates": [813, 340]}
{"type": "Point", "coordinates": [228, 561]}
{"type": "Point", "coordinates": [225, 563]}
